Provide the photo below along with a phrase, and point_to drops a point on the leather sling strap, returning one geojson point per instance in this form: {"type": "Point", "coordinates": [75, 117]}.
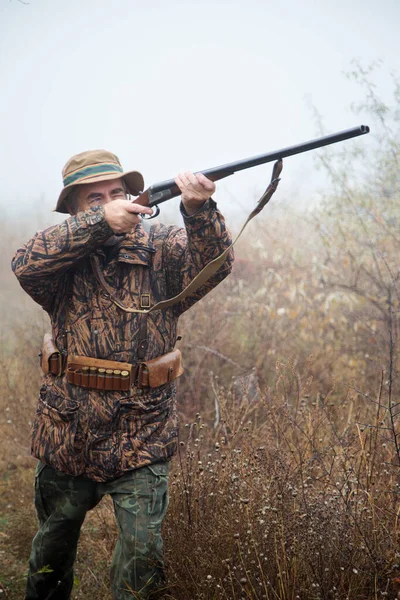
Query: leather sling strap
{"type": "Point", "coordinates": [208, 271]}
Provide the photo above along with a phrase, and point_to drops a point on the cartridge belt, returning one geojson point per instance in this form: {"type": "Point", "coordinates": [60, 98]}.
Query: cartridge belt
{"type": "Point", "coordinates": [100, 374]}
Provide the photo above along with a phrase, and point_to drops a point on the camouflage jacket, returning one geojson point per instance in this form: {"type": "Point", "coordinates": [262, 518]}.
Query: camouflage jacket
{"type": "Point", "coordinates": [102, 434]}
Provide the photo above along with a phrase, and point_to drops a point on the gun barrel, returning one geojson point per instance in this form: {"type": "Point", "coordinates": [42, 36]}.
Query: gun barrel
{"type": "Point", "coordinates": [163, 191]}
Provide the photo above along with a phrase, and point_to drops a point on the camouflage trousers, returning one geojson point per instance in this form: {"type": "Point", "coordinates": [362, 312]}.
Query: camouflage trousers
{"type": "Point", "coordinates": [140, 500]}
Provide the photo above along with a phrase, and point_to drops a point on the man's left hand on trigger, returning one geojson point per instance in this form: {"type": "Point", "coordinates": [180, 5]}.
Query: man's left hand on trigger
{"type": "Point", "coordinates": [195, 189]}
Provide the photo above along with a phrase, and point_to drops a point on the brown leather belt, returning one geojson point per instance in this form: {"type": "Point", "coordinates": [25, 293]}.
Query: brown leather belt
{"type": "Point", "coordinates": [105, 377]}
{"type": "Point", "coordinates": [100, 374]}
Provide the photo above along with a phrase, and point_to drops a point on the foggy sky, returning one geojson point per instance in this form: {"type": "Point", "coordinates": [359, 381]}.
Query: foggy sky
{"type": "Point", "coordinates": [172, 85]}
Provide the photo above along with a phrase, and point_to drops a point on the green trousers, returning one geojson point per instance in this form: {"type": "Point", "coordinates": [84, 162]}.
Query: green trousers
{"type": "Point", "coordinates": [140, 502]}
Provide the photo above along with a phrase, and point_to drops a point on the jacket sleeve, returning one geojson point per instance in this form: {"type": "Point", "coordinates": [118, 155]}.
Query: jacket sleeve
{"type": "Point", "coordinates": [189, 250]}
{"type": "Point", "coordinates": [42, 262]}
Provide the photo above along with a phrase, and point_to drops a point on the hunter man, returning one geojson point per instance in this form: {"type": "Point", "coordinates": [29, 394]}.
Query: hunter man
{"type": "Point", "coordinates": [106, 418]}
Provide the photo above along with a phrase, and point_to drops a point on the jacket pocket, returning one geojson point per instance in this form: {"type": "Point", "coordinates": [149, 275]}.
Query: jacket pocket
{"type": "Point", "coordinates": [160, 469]}
{"type": "Point", "coordinates": [54, 430]}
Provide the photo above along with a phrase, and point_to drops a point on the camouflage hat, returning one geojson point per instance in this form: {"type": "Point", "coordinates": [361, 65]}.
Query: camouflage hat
{"type": "Point", "coordinates": [92, 166]}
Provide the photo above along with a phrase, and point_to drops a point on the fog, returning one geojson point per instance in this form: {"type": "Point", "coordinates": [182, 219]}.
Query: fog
{"type": "Point", "coordinates": [170, 86]}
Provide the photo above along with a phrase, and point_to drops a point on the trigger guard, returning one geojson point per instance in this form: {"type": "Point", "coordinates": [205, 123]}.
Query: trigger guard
{"type": "Point", "coordinates": [154, 215]}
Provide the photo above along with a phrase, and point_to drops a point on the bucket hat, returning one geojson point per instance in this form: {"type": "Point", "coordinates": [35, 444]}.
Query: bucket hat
{"type": "Point", "coordinates": [92, 166]}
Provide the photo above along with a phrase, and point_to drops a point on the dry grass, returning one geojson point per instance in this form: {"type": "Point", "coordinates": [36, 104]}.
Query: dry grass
{"type": "Point", "coordinates": [286, 485]}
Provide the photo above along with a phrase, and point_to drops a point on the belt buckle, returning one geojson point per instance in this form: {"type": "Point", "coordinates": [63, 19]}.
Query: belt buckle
{"type": "Point", "coordinates": [145, 301]}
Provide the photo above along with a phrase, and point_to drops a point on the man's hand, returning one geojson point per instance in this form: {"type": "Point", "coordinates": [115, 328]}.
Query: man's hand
{"type": "Point", "coordinates": [123, 215]}
{"type": "Point", "coordinates": [196, 189]}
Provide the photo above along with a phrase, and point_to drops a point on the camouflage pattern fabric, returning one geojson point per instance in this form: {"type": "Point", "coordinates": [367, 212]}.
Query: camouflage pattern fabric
{"type": "Point", "coordinates": [103, 434]}
{"type": "Point", "coordinates": [140, 500]}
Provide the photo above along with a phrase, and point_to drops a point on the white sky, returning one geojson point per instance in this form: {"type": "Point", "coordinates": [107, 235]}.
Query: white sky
{"type": "Point", "coordinates": [171, 85]}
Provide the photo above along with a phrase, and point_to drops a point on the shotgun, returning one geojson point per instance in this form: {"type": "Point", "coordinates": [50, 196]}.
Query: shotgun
{"type": "Point", "coordinates": [165, 190]}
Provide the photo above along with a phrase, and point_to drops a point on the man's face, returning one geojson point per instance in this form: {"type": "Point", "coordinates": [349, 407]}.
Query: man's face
{"type": "Point", "coordinates": [90, 195]}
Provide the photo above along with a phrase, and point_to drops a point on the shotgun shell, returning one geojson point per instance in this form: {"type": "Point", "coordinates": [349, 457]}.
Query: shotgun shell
{"type": "Point", "coordinates": [116, 379]}
{"type": "Point", "coordinates": [108, 384]}
{"type": "Point", "coordinates": [85, 376]}
{"type": "Point", "coordinates": [101, 376]}
{"type": "Point", "coordinates": [124, 380]}
{"type": "Point", "coordinates": [93, 377]}
{"type": "Point", "coordinates": [77, 377]}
